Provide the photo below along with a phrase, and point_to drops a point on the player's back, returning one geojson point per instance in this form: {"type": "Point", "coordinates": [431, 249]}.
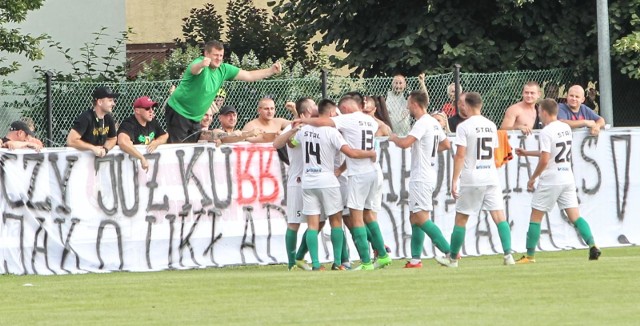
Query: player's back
{"type": "Point", "coordinates": [358, 129]}
{"type": "Point", "coordinates": [556, 139]}
{"type": "Point", "coordinates": [479, 135]}
{"type": "Point", "coordinates": [424, 151]}
{"type": "Point", "coordinates": [295, 161]}
{"type": "Point", "coordinates": [320, 145]}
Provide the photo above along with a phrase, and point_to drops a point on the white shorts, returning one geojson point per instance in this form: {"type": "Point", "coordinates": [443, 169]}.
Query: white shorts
{"type": "Point", "coordinates": [344, 193]}
{"type": "Point", "coordinates": [321, 200]}
{"type": "Point", "coordinates": [474, 198]}
{"type": "Point", "coordinates": [546, 196]}
{"type": "Point", "coordinates": [363, 189]}
{"type": "Point", "coordinates": [294, 204]}
{"type": "Point", "coordinates": [421, 196]}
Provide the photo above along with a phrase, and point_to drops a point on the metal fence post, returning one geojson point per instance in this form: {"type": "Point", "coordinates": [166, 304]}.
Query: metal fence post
{"type": "Point", "coordinates": [323, 87]}
{"type": "Point", "coordinates": [49, 110]}
{"type": "Point", "coordinates": [456, 81]}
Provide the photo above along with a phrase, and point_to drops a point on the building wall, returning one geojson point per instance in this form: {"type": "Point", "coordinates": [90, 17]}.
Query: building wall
{"type": "Point", "coordinates": [72, 23]}
{"type": "Point", "coordinates": [160, 21]}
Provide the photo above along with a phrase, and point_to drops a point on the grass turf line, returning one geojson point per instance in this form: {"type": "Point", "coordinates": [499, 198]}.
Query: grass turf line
{"type": "Point", "coordinates": [561, 288]}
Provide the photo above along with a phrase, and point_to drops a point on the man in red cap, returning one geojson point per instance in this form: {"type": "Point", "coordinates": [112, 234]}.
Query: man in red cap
{"type": "Point", "coordinates": [95, 129]}
{"type": "Point", "coordinates": [141, 128]}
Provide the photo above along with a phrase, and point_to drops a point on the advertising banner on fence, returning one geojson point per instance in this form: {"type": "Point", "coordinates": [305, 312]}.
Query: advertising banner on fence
{"type": "Point", "coordinates": [65, 211]}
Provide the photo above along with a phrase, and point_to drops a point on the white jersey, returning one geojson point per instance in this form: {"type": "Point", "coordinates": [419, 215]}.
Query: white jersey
{"type": "Point", "coordinates": [478, 134]}
{"type": "Point", "coordinates": [295, 161]}
{"type": "Point", "coordinates": [340, 157]}
{"type": "Point", "coordinates": [358, 130]}
{"type": "Point", "coordinates": [424, 151]}
{"type": "Point", "coordinates": [556, 139]}
{"type": "Point", "coordinates": [320, 146]}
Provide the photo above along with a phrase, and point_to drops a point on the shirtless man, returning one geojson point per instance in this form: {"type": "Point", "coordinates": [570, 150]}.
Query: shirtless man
{"type": "Point", "coordinates": [267, 122]}
{"type": "Point", "coordinates": [523, 115]}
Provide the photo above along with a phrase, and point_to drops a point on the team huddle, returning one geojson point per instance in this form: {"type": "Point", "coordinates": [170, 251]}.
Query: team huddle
{"type": "Point", "coordinates": [333, 172]}
{"type": "Point", "coordinates": [332, 166]}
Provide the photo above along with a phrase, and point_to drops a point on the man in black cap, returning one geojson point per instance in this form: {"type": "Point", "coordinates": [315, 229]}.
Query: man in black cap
{"type": "Point", "coordinates": [227, 133]}
{"type": "Point", "coordinates": [141, 128]}
{"type": "Point", "coordinates": [19, 136]}
{"type": "Point", "coordinates": [95, 129]}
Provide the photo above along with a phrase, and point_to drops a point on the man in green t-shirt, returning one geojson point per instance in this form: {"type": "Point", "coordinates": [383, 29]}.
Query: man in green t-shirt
{"type": "Point", "coordinates": [198, 88]}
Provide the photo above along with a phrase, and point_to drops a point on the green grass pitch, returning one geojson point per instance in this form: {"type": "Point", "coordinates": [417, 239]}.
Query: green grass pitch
{"type": "Point", "coordinates": [562, 288]}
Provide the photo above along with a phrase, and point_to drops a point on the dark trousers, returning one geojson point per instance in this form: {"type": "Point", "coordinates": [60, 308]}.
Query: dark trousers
{"type": "Point", "coordinates": [179, 128]}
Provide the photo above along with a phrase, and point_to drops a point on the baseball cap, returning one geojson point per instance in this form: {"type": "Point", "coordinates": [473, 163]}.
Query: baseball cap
{"type": "Point", "coordinates": [144, 102]}
{"type": "Point", "coordinates": [102, 92]}
{"type": "Point", "coordinates": [21, 125]}
{"type": "Point", "coordinates": [227, 109]}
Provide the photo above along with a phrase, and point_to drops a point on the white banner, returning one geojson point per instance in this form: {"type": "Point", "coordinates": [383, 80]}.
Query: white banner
{"type": "Point", "coordinates": [65, 211]}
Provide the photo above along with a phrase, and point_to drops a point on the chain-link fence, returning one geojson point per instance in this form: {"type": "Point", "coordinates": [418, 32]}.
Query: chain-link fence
{"type": "Point", "coordinates": [499, 91]}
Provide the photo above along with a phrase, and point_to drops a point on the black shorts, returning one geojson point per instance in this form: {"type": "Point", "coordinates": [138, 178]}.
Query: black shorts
{"type": "Point", "coordinates": [179, 128]}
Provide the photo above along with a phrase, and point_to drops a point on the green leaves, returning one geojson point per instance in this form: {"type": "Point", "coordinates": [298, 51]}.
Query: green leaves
{"type": "Point", "coordinates": [12, 40]}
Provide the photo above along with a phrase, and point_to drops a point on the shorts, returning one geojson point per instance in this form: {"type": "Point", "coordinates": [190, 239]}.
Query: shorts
{"type": "Point", "coordinates": [474, 198]}
{"type": "Point", "coordinates": [363, 189]}
{"type": "Point", "coordinates": [179, 128]}
{"type": "Point", "coordinates": [344, 193]}
{"type": "Point", "coordinates": [546, 196]}
{"type": "Point", "coordinates": [321, 200]}
{"type": "Point", "coordinates": [294, 204]}
{"type": "Point", "coordinates": [421, 196]}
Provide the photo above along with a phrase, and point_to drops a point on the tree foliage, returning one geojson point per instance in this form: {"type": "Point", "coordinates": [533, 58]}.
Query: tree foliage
{"type": "Point", "coordinates": [11, 39]}
{"type": "Point", "coordinates": [383, 37]}
{"type": "Point", "coordinates": [251, 32]}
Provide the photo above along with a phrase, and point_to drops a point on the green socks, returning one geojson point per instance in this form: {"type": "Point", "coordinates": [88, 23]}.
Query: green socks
{"type": "Point", "coordinates": [417, 241]}
{"type": "Point", "coordinates": [457, 239]}
{"type": "Point", "coordinates": [533, 236]}
{"type": "Point", "coordinates": [312, 243]}
{"type": "Point", "coordinates": [376, 239]}
{"type": "Point", "coordinates": [505, 236]}
{"type": "Point", "coordinates": [290, 239]}
{"type": "Point", "coordinates": [433, 231]}
{"type": "Point", "coordinates": [303, 247]}
{"type": "Point", "coordinates": [360, 238]}
{"type": "Point", "coordinates": [337, 241]}
{"type": "Point", "coordinates": [585, 231]}
{"type": "Point", "coordinates": [345, 250]}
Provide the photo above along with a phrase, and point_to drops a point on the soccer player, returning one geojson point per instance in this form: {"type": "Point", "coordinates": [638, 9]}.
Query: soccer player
{"type": "Point", "coordinates": [305, 107]}
{"type": "Point", "coordinates": [320, 187]}
{"type": "Point", "coordinates": [556, 183]}
{"type": "Point", "coordinates": [426, 139]}
{"type": "Point", "coordinates": [364, 185]}
{"type": "Point", "coordinates": [475, 169]}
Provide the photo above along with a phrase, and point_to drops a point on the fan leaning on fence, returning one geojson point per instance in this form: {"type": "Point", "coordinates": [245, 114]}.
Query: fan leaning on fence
{"type": "Point", "coordinates": [95, 129]}
{"type": "Point", "coordinates": [198, 89]}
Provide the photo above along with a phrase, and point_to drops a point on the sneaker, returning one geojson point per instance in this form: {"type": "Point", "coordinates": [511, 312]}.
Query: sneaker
{"type": "Point", "coordinates": [508, 260]}
{"type": "Point", "coordinates": [410, 265]}
{"type": "Point", "coordinates": [365, 267]}
{"type": "Point", "coordinates": [594, 253]}
{"type": "Point", "coordinates": [319, 269]}
{"type": "Point", "coordinates": [526, 260]}
{"type": "Point", "coordinates": [446, 262]}
{"type": "Point", "coordinates": [335, 267]}
{"type": "Point", "coordinates": [346, 266]}
{"type": "Point", "coordinates": [292, 268]}
{"type": "Point", "coordinates": [383, 262]}
{"type": "Point", "coordinates": [303, 265]}
{"type": "Point", "coordinates": [375, 252]}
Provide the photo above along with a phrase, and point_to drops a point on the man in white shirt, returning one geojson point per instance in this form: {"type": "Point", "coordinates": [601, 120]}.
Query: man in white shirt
{"type": "Point", "coordinates": [305, 107]}
{"type": "Point", "coordinates": [363, 185]}
{"type": "Point", "coordinates": [320, 186]}
{"type": "Point", "coordinates": [474, 166]}
{"type": "Point", "coordinates": [556, 183]}
{"type": "Point", "coordinates": [426, 139]}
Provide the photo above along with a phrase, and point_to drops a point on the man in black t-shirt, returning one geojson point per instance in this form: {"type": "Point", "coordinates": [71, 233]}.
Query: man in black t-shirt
{"type": "Point", "coordinates": [141, 128]}
{"type": "Point", "coordinates": [20, 136]}
{"type": "Point", "coordinates": [95, 129]}
{"type": "Point", "coordinates": [459, 117]}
